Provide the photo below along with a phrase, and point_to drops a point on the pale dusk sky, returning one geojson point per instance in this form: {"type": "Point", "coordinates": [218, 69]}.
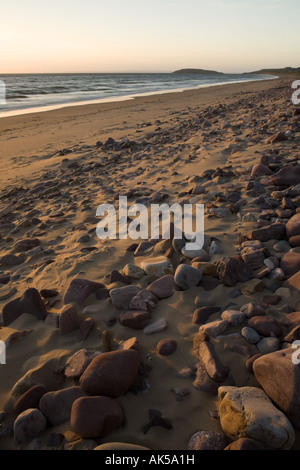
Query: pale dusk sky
{"type": "Point", "coordinates": [43, 36]}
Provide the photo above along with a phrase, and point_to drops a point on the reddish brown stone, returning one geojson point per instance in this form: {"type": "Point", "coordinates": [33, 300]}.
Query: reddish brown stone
{"type": "Point", "coordinates": [166, 346]}
{"type": "Point", "coordinates": [136, 319]}
{"type": "Point", "coordinates": [266, 326]}
{"type": "Point", "coordinates": [56, 406]}
{"type": "Point", "coordinates": [68, 320]}
{"type": "Point", "coordinates": [30, 399]}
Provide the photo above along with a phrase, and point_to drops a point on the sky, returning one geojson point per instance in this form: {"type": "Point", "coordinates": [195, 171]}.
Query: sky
{"type": "Point", "coordinates": [57, 36]}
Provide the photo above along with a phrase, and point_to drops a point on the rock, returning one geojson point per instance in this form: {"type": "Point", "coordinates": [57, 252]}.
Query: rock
{"type": "Point", "coordinates": [136, 319]}
{"type": "Point", "coordinates": [120, 446]}
{"type": "Point", "coordinates": [186, 276]}
{"type": "Point", "coordinates": [28, 425]}
{"type": "Point", "coordinates": [278, 137]}
{"type": "Point", "coordinates": [279, 376]}
{"type": "Point", "coordinates": [30, 302]}
{"type": "Point", "coordinates": [26, 244]}
{"type": "Point", "coordinates": [287, 176]}
{"type": "Point", "coordinates": [5, 209]}
{"type": "Point", "coordinates": [208, 440]}
{"type": "Point", "coordinates": [144, 300]}
{"type": "Point", "coordinates": [163, 287]}
{"type": "Point", "coordinates": [207, 269]}
{"type": "Point", "coordinates": [156, 327]}
{"type": "Point", "coordinates": [214, 328]}
{"type": "Point", "coordinates": [290, 263]}
{"type": "Point", "coordinates": [202, 382]}
{"type": "Point", "coordinates": [68, 320]}
{"type": "Point", "coordinates": [131, 343]}
{"type": "Point", "coordinates": [250, 335]}
{"type": "Point", "coordinates": [78, 362]}
{"type": "Point", "coordinates": [191, 254]}
{"type": "Point", "coordinates": [133, 271]}
{"type": "Point", "coordinates": [268, 345]}
{"type": "Point", "coordinates": [56, 406]}
{"type": "Point", "coordinates": [201, 315]}
{"type": "Point", "coordinates": [11, 260]}
{"type": "Point", "coordinates": [266, 326]}
{"type": "Point", "coordinates": [102, 293]}
{"type": "Point", "coordinates": [80, 289]}
{"type": "Point", "coordinates": [293, 282]}
{"type": "Point", "coordinates": [291, 320]}
{"type": "Point", "coordinates": [252, 310]}
{"type": "Point", "coordinates": [233, 317]}
{"type": "Point", "coordinates": [233, 270]}
{"type": "Point", "coordinates": [48, 293]}
{"type": "Point", "coordinates": [251, 287]}
{"type": "Point", "coordinates": [115, 276]}
{"type": "Point", "coordinates": [293, 226]}
{"type": "Point", "coordinates": [220, 212]}
{"type": "Point", "coordinates": [254, 258]}
{"type": "Point", "coordinates": [30, 399]}
{"type": "Point", "coordinates": [85, 327]}
{"type": "Point", "coordinates": [271, 299]}
{"type": "Point", "coordinates": [212, 363]}
{"type": "Point", "coordinates": [271, 232]}
{"type": "Point", "coordinates": [295, 241]}
{"type": "Point", "coordinates": [122, 296]}
{"type": "Point", "coordinates": [248, 412]}
{"type": "Point", "coordinates": [259, 169]}
{"type": "Point", "coordinates": [282, 246]}
{"type": "Point", "coordinates": [111, 374]}
{"type": "Point", "coordinates": [157, 266]}
{"type": "Point", "coordinates": [95, 416]}
{"type": "Point", "coordinates": [247, 444]}
{"type": "Point", "coordinates": [166, 346]}
{"type": "Point", "coordinates": [277, 274]}
{"type": "Point", "coordinates": [293, 335]}
{"type": "Point", "coordinates": [142, 248]}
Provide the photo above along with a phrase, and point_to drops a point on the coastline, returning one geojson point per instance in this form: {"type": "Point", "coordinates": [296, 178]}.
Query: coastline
{"type": "Point", "coordinates": [56, 167]}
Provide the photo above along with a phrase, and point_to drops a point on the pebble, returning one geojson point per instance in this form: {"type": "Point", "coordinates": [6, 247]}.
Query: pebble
{"type": "Point", "coordinates": [233, 317]}
{"type": "Point", "coordinates": [136, 319]}
{"type": "Point", "coordinates": [208, 440]}
{"type": "Point", "coordinates": [166, 346]}
{"type": "Point", "coordinates": [28, 425]}
{"type": "Point", "coordinates": [122, 296]}
{"type": "Point", "coordinates": [186, 276]}
{"type": "Point", "coordinates": [133, 271]}
{"type": "Point", "coordinates": [163, 287]}
{"type": "Point", "coordinates": [250, 335]}
{"type": "Point", "coordinates": [268, 345]}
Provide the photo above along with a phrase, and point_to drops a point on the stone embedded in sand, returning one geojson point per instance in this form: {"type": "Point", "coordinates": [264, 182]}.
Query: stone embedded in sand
{"type": "Point", "coordinates": [208, 440]}
{"type": "Point", "coordinates": [29, 399]}
{"type": "Point", "coordinates": [166, 346]}
{"type": "Point", "coordinates": [52, 319]}
{"type": "Point", "coordinates": [95, 416]}
{"type": "Point", "coordinates": [291, 320]}
{"type": "Point", "coordinates": [78, 362]}
{"type": "Point", "coordinates": [248, 412]}
{"type": "Point", "coordinates": [268, 345]}
{"type": "Point", "coordinates": [212, 363]}
{"type": "Point", "coordinates": [194, 253]}
{"type": "Point", "coordinates": [251, 310]}
{"type": "Point", "coordinates": [122, 296]}
{"type": "Point", "coordinates": [133, 271]}
{"type": "Point", "coordinates": [157, 266]}
{"type": "Point", "coordinates": [287, 176]}
{"type": "Point", "coordinates": [207, 269]}
{"type": "Point", "coordinates": [233, 317]}
{"type": "Point", "coordinates": [232, 270]}
{"type": "Point", "coordinates": [68, 320]}
{"type": "Point", "coordinates": [293, 226]}
{"type": "Point", "coordinates": [254, 258]}
{"type": "Point", "coordinates": [271, 232]}
{"type": "Point", "coordinates": [247, 444]}
{"type": "Point", "coordinates": [290, 263]}
{"type": "Point", "coordinates": [259, 169]}
{"type": "Point", "coordinates": [163, 287]}
{"type": "Point", "coordinates": [143, 248]}
{"type": "Point", "coordinates": [102, 293]}
{"type": "Point", "coordinates": [115, 276]}
{"type": "Point", "coordinates": [26, 244]}
{"type": "Point", "coordinates": [201, 315]}
{"type": "Point", "coordinates": [30, 302]}
{"type": "Point", "coordinates": [266, 326]}
{"type": "Point", "coordinates": [48, 293]}
{"type": "Point", "coordinates": [28, 425]}
{"type": "Point", "coordinates": [136, 319]}
{"type": "Point", "coordinates": [11, 260]}
{"type": "Point", "coordinates": [85, 327]}
{"type": "Point", "coordinates": [252, 286]}
{"type": "Point", "coordinates": [214, 328]}
{"type": "Point", "coordinates": [278, 137]}
{"type": "Point", "coordinates": [56, 406]}
{"type": "Point", "coordinates": [5, 209]}
{"type": "Point", "coordinates": [279, 376]}
{"type": "Point", "coordinates": [202, 382]}
{"type": "Point", "coordinates": [186, 276]}
{"type": "Point", "coordinates": [293, 283]}
{"type": "Point", "coordinates": [80, 289]}
{"type": "Point", "coordinates": [111, 374]}
{"type": "Point", "coordinates": [144, 300]}
{"type": "Point", "coordinates": [156, 327]}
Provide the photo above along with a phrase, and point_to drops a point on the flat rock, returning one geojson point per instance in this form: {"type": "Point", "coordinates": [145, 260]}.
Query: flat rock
{"type": "Point", "coordinates": [80, 289]}
{"type": "Point", "coordinates": [11, 260]}
{"type": "Point", "coordinates": [95, 416]}
{"type": "Point", "coordinates": [136, 319]}
{"type": "Point", "coordinates": [56, 406]}
{"type": "Point", "coordinates": [30, 302]}
{"type": "Point", "coordinates": [247, 412]}
{"type": "Point", "coordinates": [111, 374]}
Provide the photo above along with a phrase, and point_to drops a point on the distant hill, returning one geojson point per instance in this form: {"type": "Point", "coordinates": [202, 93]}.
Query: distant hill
{"type": "Point", "coordinates": [285, 70]}
{"type": "Point", "coordinates": [198, 72]}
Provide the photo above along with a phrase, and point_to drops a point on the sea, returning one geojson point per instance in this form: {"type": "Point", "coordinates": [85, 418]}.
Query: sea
{"type": "Point", "coordinates": [25, 93]}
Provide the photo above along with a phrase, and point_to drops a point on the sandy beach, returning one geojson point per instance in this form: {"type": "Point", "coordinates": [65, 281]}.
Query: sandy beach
{"type": "Point", "coordinates": [72, 304]}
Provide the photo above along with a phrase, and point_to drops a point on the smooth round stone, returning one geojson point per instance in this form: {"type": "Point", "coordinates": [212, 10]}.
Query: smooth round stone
{"type": "Point", "coordinates": [194, 253]}
{"type": "Point", "coordinates": [282, 246]}
{"type": "Point", "coordinates": [214, 329]}
{"type": "Point", "coordinates": [269, 263]}
{"type": "Point", "coordinates": [133, 271]}
{"type": "Point", "coordinates": [157, 266]}
{"type": "Point", "coordinates": [156, 327]}
{"type": "Point", "coordinates": [166, 346]}
{"type": "Point", "coordinates": [268, 345]}
{"type": "Point", "coordinates": [28, 425]}
{"type": "Point", "coordinates": [233, 317]}
{"type": "Point", "coordinates": [186, 276]}
{"type": "Point", "coordinates": [250, 335]}
{"type": "Point", "coordinates": [277, 274]}
{"type": "Point", "coordinates": [178, 244]}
